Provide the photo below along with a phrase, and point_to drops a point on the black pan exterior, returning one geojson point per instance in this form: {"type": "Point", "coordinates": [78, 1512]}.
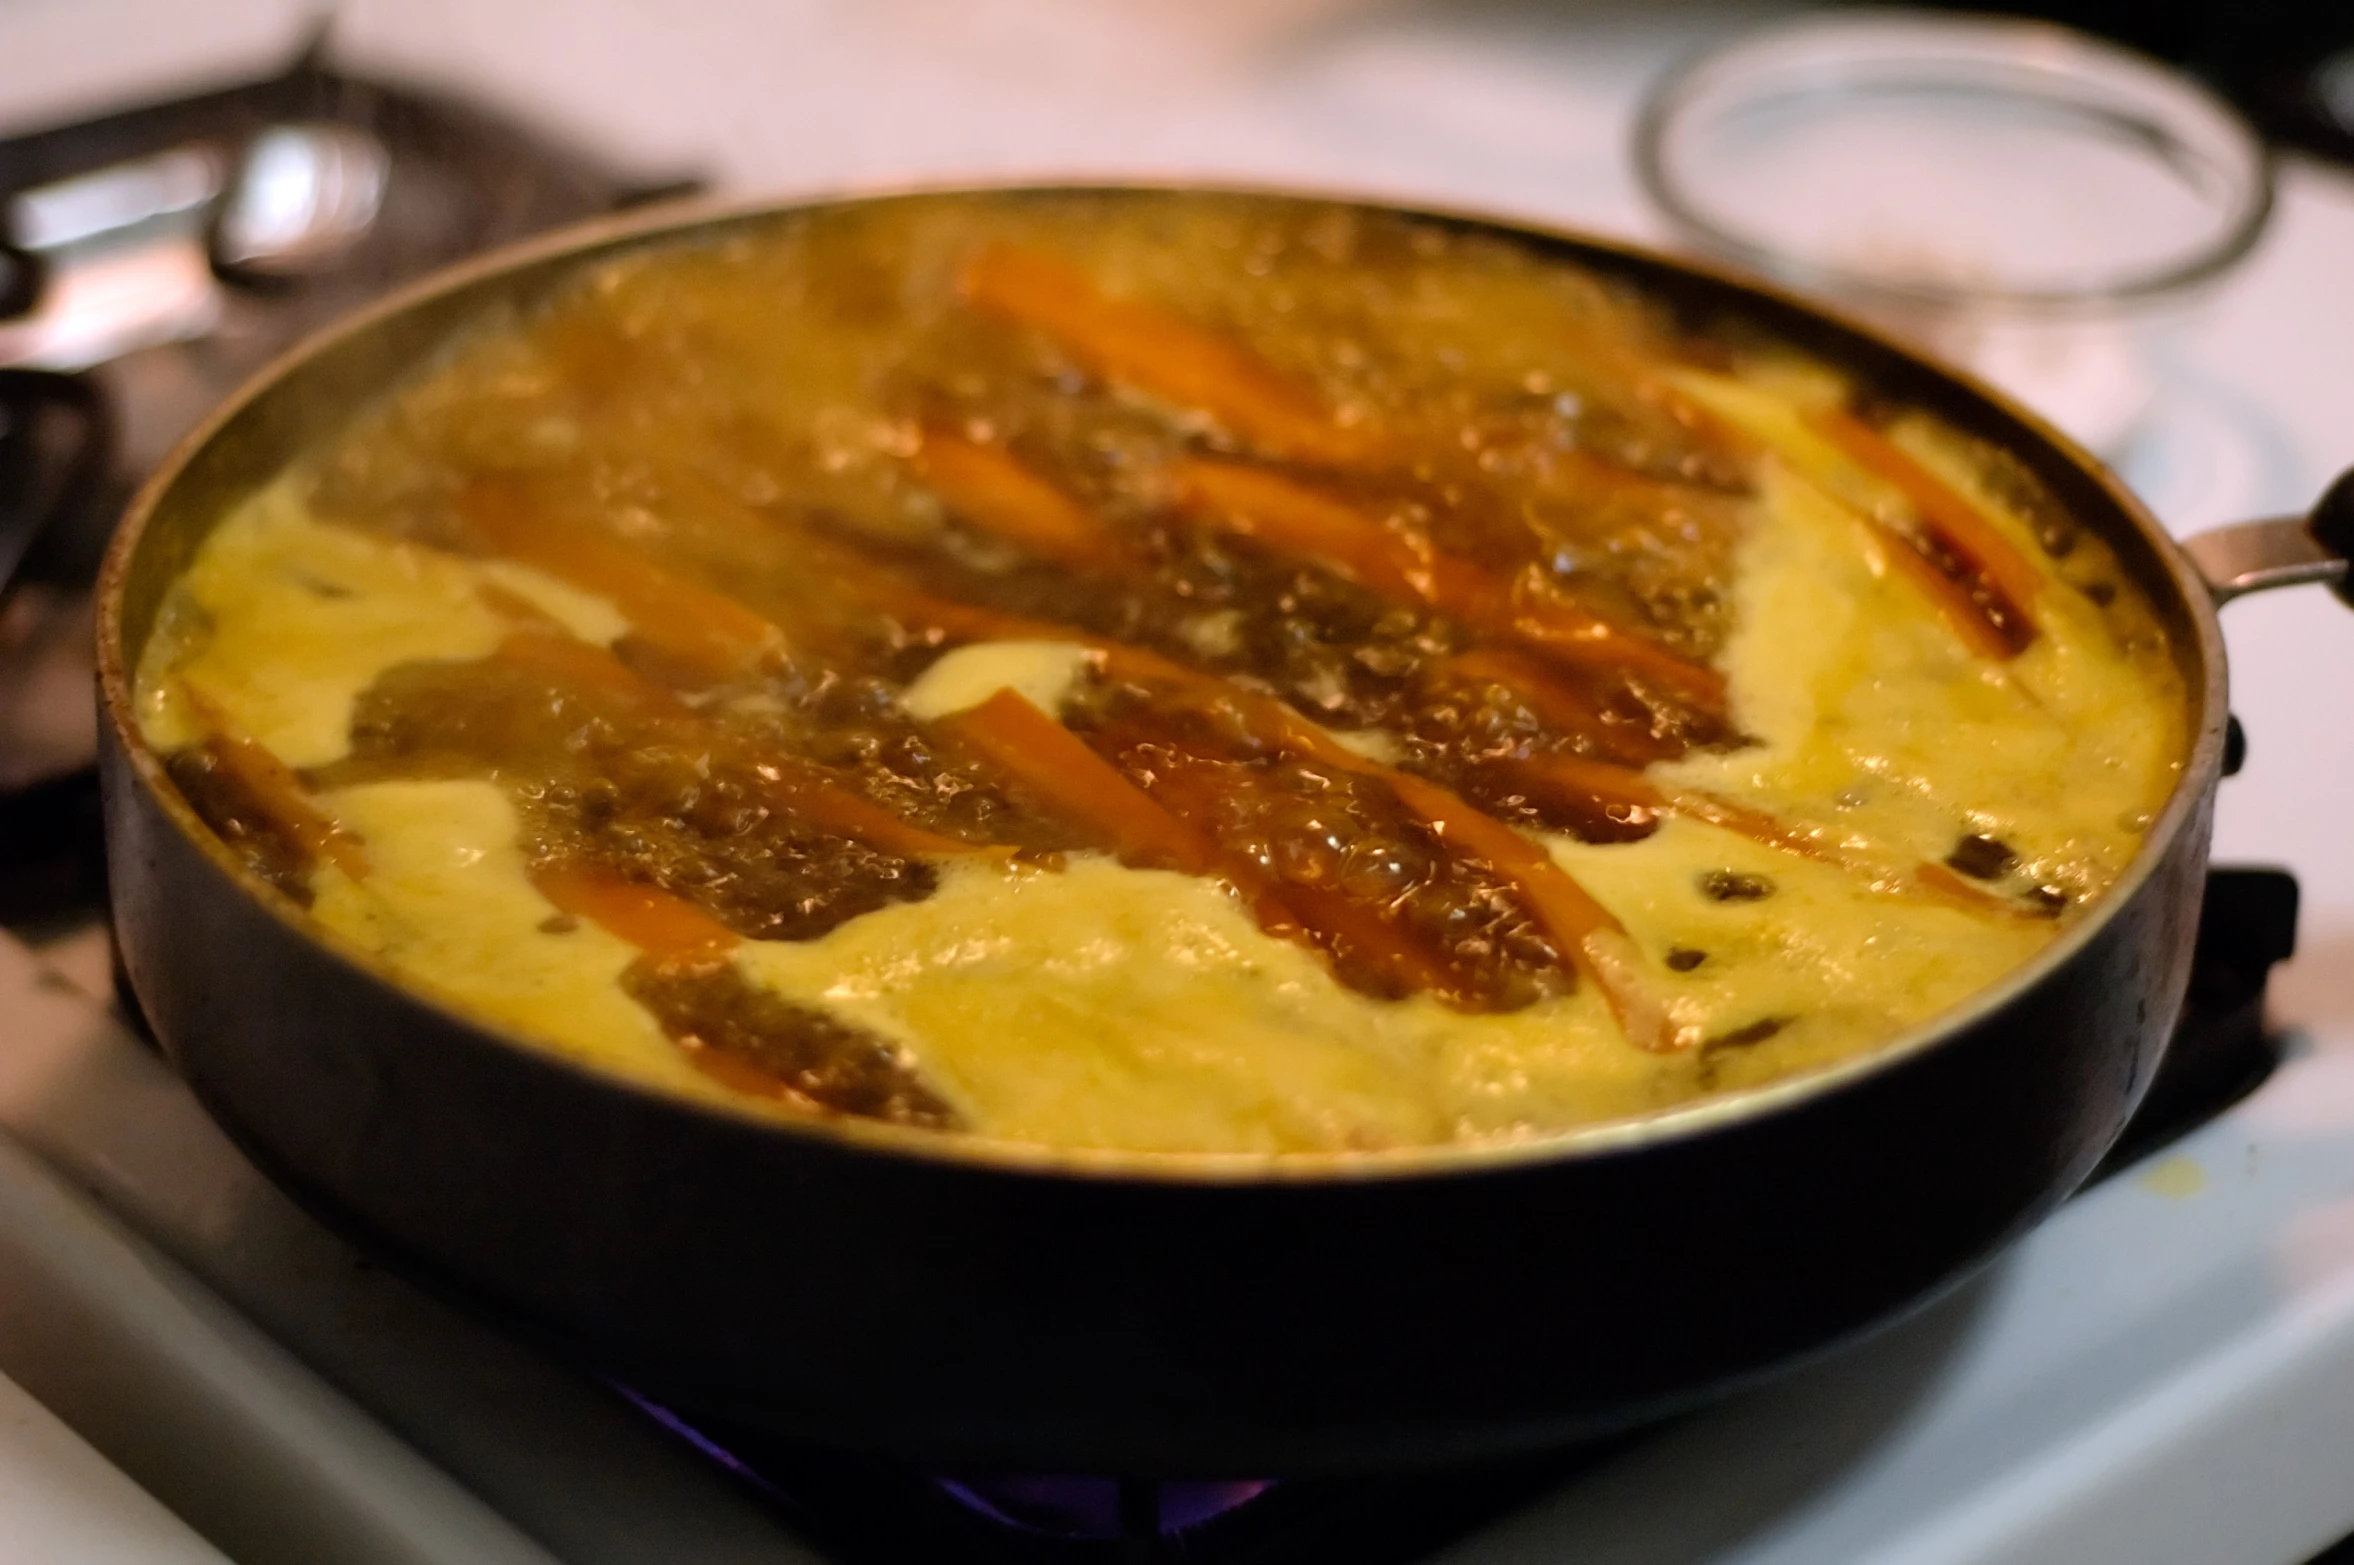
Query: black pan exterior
{"type": "Point", "coordinates": [977, 1312]}
{"type": "Point", "coordinates": [973, 1314]}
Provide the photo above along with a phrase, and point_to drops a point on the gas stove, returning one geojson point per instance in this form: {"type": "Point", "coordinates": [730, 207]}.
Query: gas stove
{"type": "Point", "coordinates": [2163, 1371]}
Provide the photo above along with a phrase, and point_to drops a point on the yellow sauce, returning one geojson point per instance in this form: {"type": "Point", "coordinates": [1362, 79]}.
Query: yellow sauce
{"type": "Point", "coordinates": [1096, 1005]}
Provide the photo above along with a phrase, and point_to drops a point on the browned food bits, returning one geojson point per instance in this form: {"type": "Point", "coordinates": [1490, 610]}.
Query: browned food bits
{"type": "Point", "coordinates": [598, 785]}
{"type": "Point", "coordinates": [1982, 857]}
{"type": "Point", "coordinates": [1744, 1037]}
{"type": "Point", "coordinates": [1726, 885]}
{"type": "Point", "coordinates": [214, 792]}
{"type": "Point", "coordinates": [754, 1040]}
{"type": "Point", "coordinates": [1395, 907]}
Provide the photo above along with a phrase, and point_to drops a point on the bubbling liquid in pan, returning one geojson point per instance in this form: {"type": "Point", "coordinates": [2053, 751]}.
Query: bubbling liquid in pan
{"type": "Point", "coordinates": [1165, 672]}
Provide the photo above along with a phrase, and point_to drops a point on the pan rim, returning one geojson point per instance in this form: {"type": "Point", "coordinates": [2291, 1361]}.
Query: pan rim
{"type": "Point", "coordinates": [2202, 656]}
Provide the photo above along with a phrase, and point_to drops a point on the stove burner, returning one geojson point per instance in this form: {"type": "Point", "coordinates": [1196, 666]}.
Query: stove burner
{"type": "Point", "coordinates": [2220, 1051]}
{"type": "Point", "coordinates": [869, 1511]}
{"type": "Point", "coordinates": [1101, 1508]}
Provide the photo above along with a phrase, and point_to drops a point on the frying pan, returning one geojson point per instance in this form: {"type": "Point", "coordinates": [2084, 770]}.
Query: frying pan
{"type": "Point", "coordinates": [979, 1304]}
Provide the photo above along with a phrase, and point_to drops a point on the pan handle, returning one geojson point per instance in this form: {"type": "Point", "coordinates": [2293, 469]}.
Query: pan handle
{"type": "Point", "coordinates": [2282, 551]}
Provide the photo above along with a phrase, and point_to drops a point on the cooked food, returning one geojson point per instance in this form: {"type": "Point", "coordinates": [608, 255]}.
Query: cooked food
{"type": "Point", "coordinates": [1164, 671]}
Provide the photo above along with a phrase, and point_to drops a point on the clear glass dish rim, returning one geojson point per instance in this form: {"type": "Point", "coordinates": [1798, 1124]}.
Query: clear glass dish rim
{"type": "Point", "coordinates": [2054, 49]}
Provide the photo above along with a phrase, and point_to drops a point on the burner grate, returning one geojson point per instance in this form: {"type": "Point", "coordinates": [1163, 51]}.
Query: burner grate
{"type": "Point", "coordinates": [2220, 1051]}
{"type": "Point", "coordinates": [869, 1511]}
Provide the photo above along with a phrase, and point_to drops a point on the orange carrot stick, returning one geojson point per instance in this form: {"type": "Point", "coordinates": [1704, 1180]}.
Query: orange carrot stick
{"type": "Point", "coordinates": [1589, 933]}
{"type": "Point", "coordinates": [513, 606]}
{"type": "Point", "coordinates": [1349, 929]}
{"type": "Point", "coordinates": [1297, 520]}
{"type": "Point", "coordinates": [1540, 618]}
{"type": "Point", "coordinates": [708, 630]}
{"type": "Point", "coordinates": [1055, 764]}
{"type": "Point", "coordinates": [568, 660]}
{"type": "Point", "coordinates": [887, 592]}
{"type": "Point", "coordinates": [1940, 881]}
{"type": "Point", "coordinates": [1755, 824]}
{"type": "Point", "coordinates": [1977, 582]}
{"type": "Point", "coordinates": [1354, 931]}
{"type": "Point", "coordinates": [666, 927]}
{"type": "Point", "coordinates": [1189, 806]}
{"type": "Point", "coordinates": [985, 486]}
{"type": "Point", "coordinates": [1966, 618]}
{"type": "Point", "coordinates": [274, 789]}
{"type": "Point", "coordinates": [1959, 527]}
{"type": "Point", "coordinates": [796, 784]}
{"type": "Point", "coordinates": [1595, 783]}
{"type": "Point", "coordinates": [1146, 347]}
{"type": "Point", "coordinates": [1560, 707]}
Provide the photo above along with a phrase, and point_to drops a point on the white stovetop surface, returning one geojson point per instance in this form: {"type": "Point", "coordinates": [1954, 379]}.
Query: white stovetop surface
{"type": "Point", "coordinates": [2165, 1372]}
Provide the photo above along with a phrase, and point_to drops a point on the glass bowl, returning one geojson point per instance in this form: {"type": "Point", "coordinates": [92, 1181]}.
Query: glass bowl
{"type": "Point", "coordinates": [2018, 197]}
